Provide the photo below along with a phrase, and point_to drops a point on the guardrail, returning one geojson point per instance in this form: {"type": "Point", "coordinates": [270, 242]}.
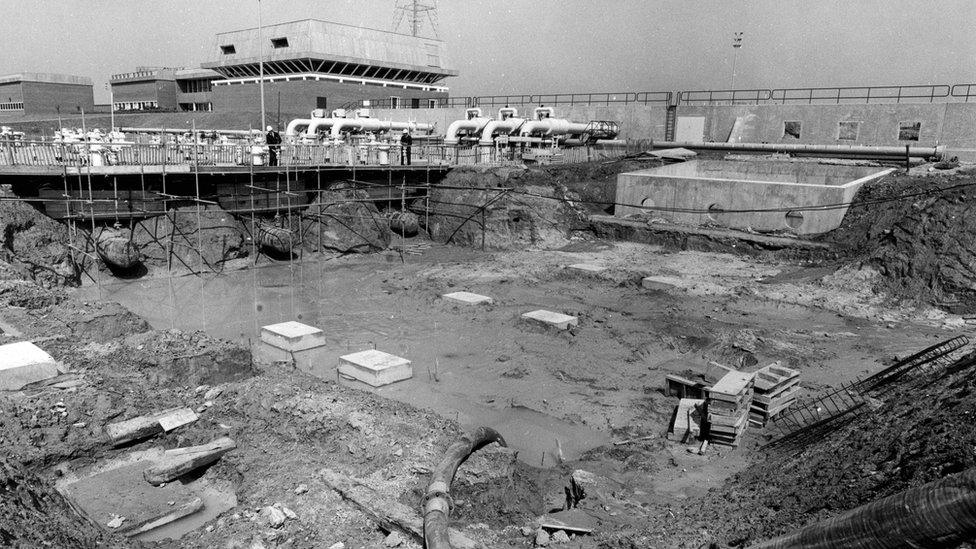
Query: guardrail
{"type": "Point", "coordinates": [965, 91]}
{"type": "Point", "coordinates": [731, 97]}
{"type": "Point", "coordinates": [863, 94]}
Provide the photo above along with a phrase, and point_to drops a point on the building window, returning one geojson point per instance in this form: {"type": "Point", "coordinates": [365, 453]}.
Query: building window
{"type": "Point", "coordinates": [848, 130]}
{"type": "Point", "coordinates": [394, 102]}
{"type": "Point", "coordinates": [908, 131]}
{"type": "Point", "coordinates": [791, 129]}
{"type": "Point", "coordinates": [229, 49]}
{"type": "Point", "coordinates": [321, 102]}
{"type": "Point", "coordinates": [12, 106]}
{"type": "Point", "coordinates": [279, 42]}
{"type": "Point", "coordinates": [431, 103]}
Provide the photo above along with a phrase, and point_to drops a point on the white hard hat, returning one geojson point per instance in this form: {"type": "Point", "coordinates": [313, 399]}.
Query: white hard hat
{"type": "Point", "coordinates": [269, 128]}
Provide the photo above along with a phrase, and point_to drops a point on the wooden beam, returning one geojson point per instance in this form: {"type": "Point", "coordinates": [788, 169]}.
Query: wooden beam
{"type": "Point", "coordinates": [180, 461]}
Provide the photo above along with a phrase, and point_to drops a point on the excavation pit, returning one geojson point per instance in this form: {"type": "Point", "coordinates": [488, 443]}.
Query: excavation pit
{"type": "Point", "coordinates": [761, 195]}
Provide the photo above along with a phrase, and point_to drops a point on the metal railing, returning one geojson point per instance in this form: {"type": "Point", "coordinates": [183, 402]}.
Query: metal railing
{"type": "Point", "coordinates": [864, 94]}
{"type": "Point", "coordinates": [550, 99]}
{"type": "Point", "coordinates": [718, 97]}
{"type": "Point", "coordinates": [965, 91]}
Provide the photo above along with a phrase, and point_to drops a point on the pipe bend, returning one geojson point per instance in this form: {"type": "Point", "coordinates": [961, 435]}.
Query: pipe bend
{"type": "Point", "coordinates": [292, 128]}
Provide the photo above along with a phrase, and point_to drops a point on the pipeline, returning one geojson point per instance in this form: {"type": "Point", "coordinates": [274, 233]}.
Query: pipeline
{"type": "Point", "coordinates": [846, 151]}
{"type": "Point", "coordinates": [189, 130]}
{"type": "Point", "coordinates": [503, 127]}
{"type": "Point", "coordinates": [471, 125]}
{"type": "Point", "coordinates": [437, 498]}
{"type": "Point", "coordinates": [372, 124]}
{"type": "Point", "coordinates": [940, 514]}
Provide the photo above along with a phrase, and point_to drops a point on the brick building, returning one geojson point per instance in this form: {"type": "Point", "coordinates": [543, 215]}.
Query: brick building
{"type": "Point", "coordinates": [40, 93]}
{"type": "Point", "coordinates": [163, 89]}
{"type": "Point", "coordinates": [312, 64]}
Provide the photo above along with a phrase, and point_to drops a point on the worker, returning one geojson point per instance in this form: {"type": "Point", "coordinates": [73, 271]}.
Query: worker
{"type": "Point", "coordinates": [273, 139]}
{"type": "Point", "coordinates": [406, 140]}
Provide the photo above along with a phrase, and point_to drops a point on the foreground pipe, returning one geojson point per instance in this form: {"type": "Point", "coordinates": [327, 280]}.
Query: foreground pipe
{"type": "Point", "coordinates": [374, 125]}
{"type": "Point", "coordinates": [293, 127]}
{"type": "Point", "coordinates": [935, 515]}
{"type": "Point", "coordinates": [552, 127]}
{"type": "Point", "coordinates": [437, 499]}
{"type": "Point", "coordinates": [502, 127]}
{"type": "Point", "coordinates": [849, 150]}
{"type": "Point", "coordinates": [470, 125]}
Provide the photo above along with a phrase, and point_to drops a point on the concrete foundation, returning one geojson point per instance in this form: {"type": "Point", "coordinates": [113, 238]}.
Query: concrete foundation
{"type": "Point", "coordinates": [24, 363]}
{"type": "Point", "coordinates": [312, 360]}
{"type": "Point", "coordinates": [549, 318]}
{"type": "Point", "coordinates": [586, 268]}
{"type": "Point", "coordinates": [758, 195]}
{"type": "Point", "coordinates": [468, 298]}
{"type": "Point", "coordinates": [375, 368]}
{"type": "Point", "coordinates": [292, 336]}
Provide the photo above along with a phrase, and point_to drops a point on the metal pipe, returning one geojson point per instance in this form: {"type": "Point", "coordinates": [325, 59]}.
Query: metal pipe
{"type": "Point", "coordinates": [852, 150]}
{"type": "Point", "coordinates": [373, 125]}
{"type": "Point", "coordinates": [503, 127]}
{"type": "Point", "coordinates": [292, 128]}
{"type": "Point", "coordinates": [471, 125]}
{"type": "Point", "coordinates": [552, 127]}
{"type": "Point", "coordinates": [437, 498]}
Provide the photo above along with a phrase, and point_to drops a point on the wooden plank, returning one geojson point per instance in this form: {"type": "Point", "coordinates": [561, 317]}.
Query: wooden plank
{"type": "Point", "coordinates": [180, 461]}
{"type": "Point", "coordinates": [142, 427]}
{"type": "Point", "coordinates": [684, 424]}
{"type": "Point", "coordinates": [389, 514]}
{"type": "Point", "coordinates": [788, 392]}
{"type": "Point", "coordinates": [732, 384]}
{"type": "Point", "coordinates": [184, 510]}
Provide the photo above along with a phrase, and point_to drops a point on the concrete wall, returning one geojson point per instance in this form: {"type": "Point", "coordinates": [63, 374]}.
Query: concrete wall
{"type": "Point", "coordinates": [298, 97]}
{"type": "Point", "coordinates": [949, 124]}
{"type": "Point", "coordinates": [11, 93]}
{"type": "Point", "coordinates": [46, 97]}
{"type": "Point", "coordinates": [659, 189]}
{"type": "Point", "coordinates": [636, 121]}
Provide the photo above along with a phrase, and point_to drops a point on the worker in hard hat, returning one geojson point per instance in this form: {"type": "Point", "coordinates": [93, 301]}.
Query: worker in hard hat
{"type": "Point", "coordinates": [406, 140]}
{"type": "Point", "coordinates": [273, 139]}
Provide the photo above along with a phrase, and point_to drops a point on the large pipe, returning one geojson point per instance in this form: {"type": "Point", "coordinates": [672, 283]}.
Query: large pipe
{"type": "Point", "coordinates": [318, 123]}
{"type": "Point", "coordinates": [502, 127]}
{"type": "Point", "coordinates": [292, 128]}
{"type": "Point", "coordinates": [188, 130]}
{"type": "Point", "coordinates": [938, 514]}
{"type": "Point", "coordinates": [437, 498]}
{"type": "Point", "coordinates": [374, 125]}
{"type": "Point", "coordinates": [551, 127]}
{"type": "Point", "coordinates": [471, 125]}
{"type": "Point", "coordinates": [848, 150]}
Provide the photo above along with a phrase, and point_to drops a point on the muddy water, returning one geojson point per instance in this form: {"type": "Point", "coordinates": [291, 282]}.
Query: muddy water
{"type": "Point", "coordinates": [354, 305]}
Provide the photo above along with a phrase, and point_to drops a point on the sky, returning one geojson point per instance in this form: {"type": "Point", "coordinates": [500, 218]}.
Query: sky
{"type": "Point", "coordinates": [540, 46]}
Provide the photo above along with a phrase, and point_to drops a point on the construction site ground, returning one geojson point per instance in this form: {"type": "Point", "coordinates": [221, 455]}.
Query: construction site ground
{"type": "Point", "coordinates": [584, 403]}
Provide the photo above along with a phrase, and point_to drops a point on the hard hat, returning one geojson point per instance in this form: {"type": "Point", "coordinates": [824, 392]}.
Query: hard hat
{"type": "Point", "coordinates": [405, 130]}
{"type": "Point", "coordinates": [269, 128]}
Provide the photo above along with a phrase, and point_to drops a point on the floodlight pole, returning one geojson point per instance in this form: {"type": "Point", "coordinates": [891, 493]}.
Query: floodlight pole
{"type": "Point", "coordinates": [261, 65]}
{"type": "Point", "coordinates": [736, 44]}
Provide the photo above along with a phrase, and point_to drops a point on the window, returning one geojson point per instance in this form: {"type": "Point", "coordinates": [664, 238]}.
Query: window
{"type": "Point", "coordinates": [321, 102]}
{"type": "Point", "coordinates": [229, 49]}
{"type": "Point", "coordinates": [279, 42]}
{"type": "Point", "coordinates": [791, 129]}
{"type": "Point", "coordinates": [431, 103]}
{"type": "Point", "coordinates": [394, 102]}
{"type": "Point", "coordinates": [908, 131]}
{"type": "Point", "coordinates": [848, 130]}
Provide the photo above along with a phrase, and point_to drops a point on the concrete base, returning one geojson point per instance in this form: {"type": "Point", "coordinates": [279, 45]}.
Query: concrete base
{"type": "Point", "coordinates": [292, 336]}
{"type": "Point", "coordinates": [660, 283]}
{"type": "Point", "coordinates": [375, 368]}
{"type": "Point", "coordinates": [316, 361]}
{"type": "Point", "coordinates": [24, 363]}
{"type": "Point", "coordinates": [549, 318]}
{"type": "Point", "coordinates": [468, 298]}
{"type": "Point", "coordinates": [586, 268]}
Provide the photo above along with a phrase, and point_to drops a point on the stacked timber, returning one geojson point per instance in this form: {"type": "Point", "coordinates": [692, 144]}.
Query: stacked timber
{"type": "Point", "coordinates": [727, 404]}
{"type": "Point", "coordinates": [776, 389]}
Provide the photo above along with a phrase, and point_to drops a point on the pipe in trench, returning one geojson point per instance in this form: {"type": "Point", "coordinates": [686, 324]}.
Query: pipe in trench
{"type": "Point", "coordinates": [437, 498]}
{"type": "Point", "coordinates": [851, 150]}
{"type": "Point", "coordinates": [940, 514]}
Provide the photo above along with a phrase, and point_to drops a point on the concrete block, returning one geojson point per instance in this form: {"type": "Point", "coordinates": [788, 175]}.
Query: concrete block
{"type": "Point", "coordinates": [375, 368]}
{"type": "Point", "coordinates": [23, 363]}
{"type": "Point", "coordinates": [586, 268]}
{"type": "Point", "coordinates": [292, 336]}
{"type": "Point", "coordinates": [660, 283]}
{"type": "Point", "coordinates": [318, 361]}
{"type": "Point", "coordinates": [549, 318]}
{"type": "Point", "coordinates": [468, 298]}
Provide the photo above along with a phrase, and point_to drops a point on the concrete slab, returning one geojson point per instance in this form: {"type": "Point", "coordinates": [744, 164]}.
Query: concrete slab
{"type": "Point", "coordinates": [549, 318]}
{"type": "Point", "coordinates": [468, 298]}
{"type": "Point", "coordinates": [292, 336]}
{"type": "Point", "coordinates": [23, 363]}
{"type": "Point", "coordinates": [586, 268]}
{"type": "Point", "coordinates": [375, 368]}
{"type": "Point", "coordinates": [318, 361]}
{"type": "Point", "coordinates": [660, 283]}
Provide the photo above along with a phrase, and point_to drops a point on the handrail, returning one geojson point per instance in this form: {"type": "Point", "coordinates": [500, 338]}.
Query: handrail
{"type": "Point", "coordinates": [745, 96]}
{"type": "Point", "coordinates": [970, 91]}
{"type": "Point", "coordinates": [859, 93]}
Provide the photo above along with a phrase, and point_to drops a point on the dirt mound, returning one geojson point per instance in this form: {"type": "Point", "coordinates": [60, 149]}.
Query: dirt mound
{"type": "Point", "coordinates": [520, 216]}
{"type": "Point", "coordinates": [175, 238]}
{"type": "Point", "coordinates": [34, 514]}
{"type": "Point", "coordinates": [186, 358]}
{"type": "Point", "coordinates": [342, 220]}
{"type": "Point", "coordinates": [34, 244]}
{"type": "Point", "coordinates": [920, 432]}
{"type": "Point", "coordinates": [923, 244]}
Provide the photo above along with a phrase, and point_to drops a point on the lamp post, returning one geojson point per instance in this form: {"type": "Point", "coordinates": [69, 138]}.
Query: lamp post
{"type": "Point", "coordinates": [261, 65]}
{"type": "Point", "coordinates": [111, 106]}
{"type": "Point", "coordinates": [736, 44]}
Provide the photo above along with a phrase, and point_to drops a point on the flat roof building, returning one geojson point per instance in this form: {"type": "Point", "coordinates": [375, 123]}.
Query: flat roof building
{"type": "Point", "coordinates": [321, 64]}
{"type": "Point", "coordinates": [163, 89]}
{"type": "Point", "coordinates": [44, 93]}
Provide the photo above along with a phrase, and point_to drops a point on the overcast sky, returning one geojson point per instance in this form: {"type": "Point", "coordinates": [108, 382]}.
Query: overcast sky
{"type": "Point", "coordinates": [537, 46]}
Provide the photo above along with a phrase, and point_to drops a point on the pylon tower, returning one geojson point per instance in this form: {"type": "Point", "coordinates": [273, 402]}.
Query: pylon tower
{"type": "Point", "coordinates": [415, 15]}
